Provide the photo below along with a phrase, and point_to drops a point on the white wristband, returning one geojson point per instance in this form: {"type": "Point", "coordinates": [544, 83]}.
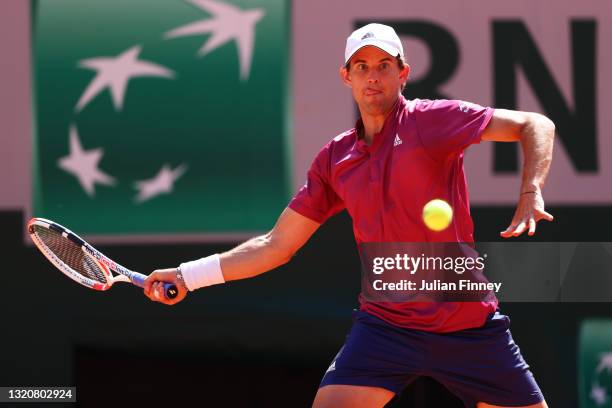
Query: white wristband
{"type": "Point", "coordinates": [202, 272]}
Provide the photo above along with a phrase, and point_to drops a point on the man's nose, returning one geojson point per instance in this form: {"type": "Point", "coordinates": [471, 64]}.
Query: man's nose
{"type": "Point", "coordinates": [373, 76]}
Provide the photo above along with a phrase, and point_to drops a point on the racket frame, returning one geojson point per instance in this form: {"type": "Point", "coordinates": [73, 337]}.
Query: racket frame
{"type": "Point", "coordinates": [105, 263]}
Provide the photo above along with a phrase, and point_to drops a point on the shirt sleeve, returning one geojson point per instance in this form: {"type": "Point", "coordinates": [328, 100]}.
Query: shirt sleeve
{"type": "Point", "coordinates": [448, 127]}
{"type": "Point", "coordinates": [317, 200]}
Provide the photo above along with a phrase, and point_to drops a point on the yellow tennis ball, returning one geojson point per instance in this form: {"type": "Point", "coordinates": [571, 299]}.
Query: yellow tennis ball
{"type": "Point", "coordinates": [437, 214]}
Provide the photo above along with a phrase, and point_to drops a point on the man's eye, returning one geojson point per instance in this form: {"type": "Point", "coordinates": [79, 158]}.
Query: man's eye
{"type": "Point", "coordinates": [361, 67]}
{"type": "Point", "coordinates": [384, 65]}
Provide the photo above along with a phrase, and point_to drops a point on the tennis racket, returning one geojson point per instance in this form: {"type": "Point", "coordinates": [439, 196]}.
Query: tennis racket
{"type": "Point", "coordinates": [80, 261]}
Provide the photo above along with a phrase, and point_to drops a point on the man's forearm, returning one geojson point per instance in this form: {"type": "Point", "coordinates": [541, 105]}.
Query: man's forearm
{"type": "Point", "coordinates": [253, 257]}
{"type": "Point", "coordinates": [537, 138]}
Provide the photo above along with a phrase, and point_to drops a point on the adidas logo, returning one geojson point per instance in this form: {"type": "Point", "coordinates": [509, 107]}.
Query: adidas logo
{"type": "Point", "coordinates": [368, 35]}
{"type": "Point", "coordinates": [397, 140]}
{"type": "Point", "coordinates": [332, 367]}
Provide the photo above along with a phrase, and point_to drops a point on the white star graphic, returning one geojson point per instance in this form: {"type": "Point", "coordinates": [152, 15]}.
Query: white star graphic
{"type": "Point", "coordinates": [229, 23]}
{"type": "Point", "coordinates": [114, 73]}
{"type": "Point", "coordinates": [605, 362]}
{"type": "Point", "coordinates": [598, 394]}
{"type": "Point", "coordinates": [83, 164]}
{"type": "Point", "coordinates": [162, 183]}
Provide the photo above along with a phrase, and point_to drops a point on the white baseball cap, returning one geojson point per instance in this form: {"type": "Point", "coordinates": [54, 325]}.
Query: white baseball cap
{"type": "Point", "coordinates": [377, 35]}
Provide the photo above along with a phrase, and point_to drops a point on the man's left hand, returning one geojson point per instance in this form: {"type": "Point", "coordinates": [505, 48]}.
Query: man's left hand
{"type": "Point", "coordinates": [529, 211]}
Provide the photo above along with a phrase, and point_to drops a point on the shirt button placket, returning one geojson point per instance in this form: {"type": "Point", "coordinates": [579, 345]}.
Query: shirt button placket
{"type": "Point", "coordinates": [374, 171]}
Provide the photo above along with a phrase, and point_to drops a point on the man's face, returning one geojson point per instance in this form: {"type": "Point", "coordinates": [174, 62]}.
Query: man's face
{"type": "Point", "coordinates": [375, 79]}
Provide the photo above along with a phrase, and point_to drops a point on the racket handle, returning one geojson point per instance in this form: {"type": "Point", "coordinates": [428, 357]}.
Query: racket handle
{"type": "Point", "coordinates": [170, 290]}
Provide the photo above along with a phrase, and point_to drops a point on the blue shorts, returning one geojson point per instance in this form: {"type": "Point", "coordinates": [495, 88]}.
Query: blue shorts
{"type": "Point", "coordinates": [477, 365]}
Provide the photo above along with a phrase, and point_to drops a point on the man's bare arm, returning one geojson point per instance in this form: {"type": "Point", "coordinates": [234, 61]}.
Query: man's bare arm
{"type": "Point", "coordinates": [536, 134]}
{"type": "Point", "coordinates": [271, 250]}
{"type": "Point", "coordinates": [251, 258]}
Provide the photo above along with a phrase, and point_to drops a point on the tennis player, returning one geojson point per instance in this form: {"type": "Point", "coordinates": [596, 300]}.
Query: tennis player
{"type": "Point", "coordinates": [401, 154]}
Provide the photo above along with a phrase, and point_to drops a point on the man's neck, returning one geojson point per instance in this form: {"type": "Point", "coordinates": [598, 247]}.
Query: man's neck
{"type": "Point", "coordinates": [373, 124]}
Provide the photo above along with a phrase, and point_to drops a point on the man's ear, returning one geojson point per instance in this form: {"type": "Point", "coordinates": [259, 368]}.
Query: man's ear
{"type": "Point", "coordinates": [345, 76]}
{"type": "Point", "coordinates": [405, 73]}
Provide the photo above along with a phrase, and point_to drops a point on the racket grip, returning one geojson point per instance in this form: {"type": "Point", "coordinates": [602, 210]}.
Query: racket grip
{"type": "Point", "coordinates": [170, 289]}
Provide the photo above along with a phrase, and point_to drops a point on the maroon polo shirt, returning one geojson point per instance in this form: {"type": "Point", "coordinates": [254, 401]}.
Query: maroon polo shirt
{"type": "Point", "coordinates": [417, 156]}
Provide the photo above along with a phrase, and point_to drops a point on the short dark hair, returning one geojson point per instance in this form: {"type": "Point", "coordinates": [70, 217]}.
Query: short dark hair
{"type": "Point", "coordinates": [401, 63]}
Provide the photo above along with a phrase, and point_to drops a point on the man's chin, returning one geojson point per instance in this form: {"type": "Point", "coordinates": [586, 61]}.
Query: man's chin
{"type": "Point", "coordinates": [376, 107]}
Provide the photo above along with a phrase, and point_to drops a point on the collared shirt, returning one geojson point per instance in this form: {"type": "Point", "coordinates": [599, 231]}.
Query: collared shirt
{"type": "Point", "coordinates": [416, 157]}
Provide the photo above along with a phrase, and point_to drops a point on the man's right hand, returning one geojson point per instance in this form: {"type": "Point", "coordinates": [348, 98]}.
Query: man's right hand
{"type": "Point", "coordinates": [154, 286]}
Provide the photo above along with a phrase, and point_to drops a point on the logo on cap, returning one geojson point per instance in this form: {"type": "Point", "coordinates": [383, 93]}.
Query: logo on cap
{"type": "Point", "coordinates": [369, 34]}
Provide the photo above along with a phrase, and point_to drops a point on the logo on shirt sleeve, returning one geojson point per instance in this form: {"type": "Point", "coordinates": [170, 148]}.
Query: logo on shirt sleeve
{"type": "Point", "coordinates": [397, 140]}
{"type": "Point", "coordinates": [463, 107]}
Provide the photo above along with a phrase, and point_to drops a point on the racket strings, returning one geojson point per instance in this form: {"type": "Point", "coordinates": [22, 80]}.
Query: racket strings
{"type": "Point", "coordinates": [70, 254]}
